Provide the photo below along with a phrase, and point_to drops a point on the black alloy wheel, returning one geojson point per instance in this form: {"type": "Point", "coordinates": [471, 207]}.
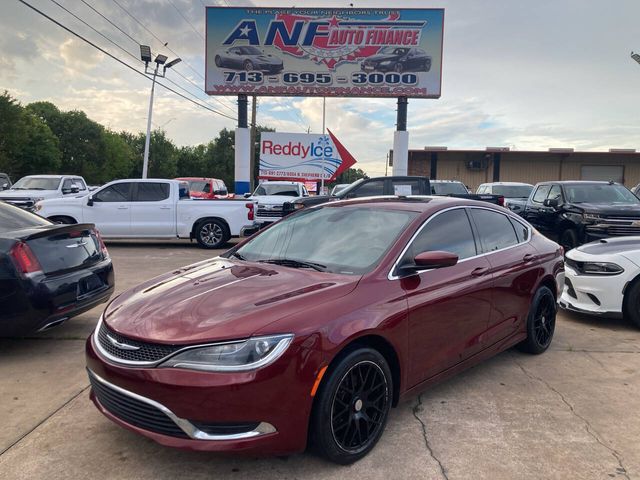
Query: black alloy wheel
{"type": "Point", "coordinates": [218, 61]}
{"type": "Point", "coordinates": [541, 322]}
{"type": "Point", "coordinates": [631, 303]}
{"type": "Point", "coordinates": [398, 67]}
{"type": "Point", "coordinates": [248, 65]}
{"type": "Point", "coordinates": [352, 406]}
{"type": "Point", "coordinates": [211, 234]}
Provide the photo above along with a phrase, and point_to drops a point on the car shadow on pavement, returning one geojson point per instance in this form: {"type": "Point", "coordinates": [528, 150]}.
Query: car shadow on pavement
{"type": "Point", "coordinates": [596, 321]}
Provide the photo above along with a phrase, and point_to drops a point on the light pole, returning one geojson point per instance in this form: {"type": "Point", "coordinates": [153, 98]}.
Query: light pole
{"type": "Point", "coordinates": [145, 56]}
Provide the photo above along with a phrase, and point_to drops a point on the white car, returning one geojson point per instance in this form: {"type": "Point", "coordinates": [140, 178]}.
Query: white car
{"type": "Point", "coordinates": [29, 190]}
{"type": "Point", "coordinates": [271, 197]}
{"type": "Point", "coordinates": [603, 278]}
{"type": "Point", "coordinates": [154, 208]}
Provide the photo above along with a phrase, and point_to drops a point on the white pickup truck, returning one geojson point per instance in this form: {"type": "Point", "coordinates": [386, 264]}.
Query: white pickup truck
{"type": "Point", "coordinates": [154, 208]}
{"type": "Point", "coordinates": [271, 197]}
{"type": "Point", "coordinates": [29, 190]}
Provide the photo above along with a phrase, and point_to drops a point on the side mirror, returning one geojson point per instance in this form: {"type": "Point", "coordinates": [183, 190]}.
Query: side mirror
{"type": "Point", "coordinates": [551, 202]}
{"type": "Point", "coordinates": [247, 195]}
{"type": "Point", "coordinates": [75, 189]}
{"type": "Point", "coordinates": [435, 259]}
{"type": "Point", "coordinates": [5, 186]}
{"type": "Point", "coordinates": [90, 201]}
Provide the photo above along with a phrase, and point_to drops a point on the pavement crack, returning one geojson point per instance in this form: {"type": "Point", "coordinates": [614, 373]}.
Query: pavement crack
{"type": "Point", "coordinates": [44, 420]}
{"type": "Point", "coordinates": [587, 425]}
{"type": "Point", "coordinates": [415, 411]}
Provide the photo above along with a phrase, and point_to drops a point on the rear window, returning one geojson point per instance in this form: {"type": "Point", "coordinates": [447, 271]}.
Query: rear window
{"type": "Point", "coordinates": [14, 218]}
{"type": "Point", "coordinates": [495, 229]}
{"type": "Point", "coordinates": [513, 191]}
{"type": "Point", "coordinates": [448, 188]}
{"type": "Point", "coordinates": [200, 186]}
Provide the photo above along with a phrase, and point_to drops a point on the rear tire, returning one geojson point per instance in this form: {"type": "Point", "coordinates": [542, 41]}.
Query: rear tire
{"type": "Point", "coordinates": [218, 61]}
{"type": "Point", "coordinates": [569, 239]}
{"type": "Point", "coordinates": [631, 304]}
{"type": "Point", "coordinates": [352, 406]}
{"type": "Point", "coordinates": [248, 65]}
{"type": "Point", "coordinates": [541, 322]}
{"type": "Point", "coordinates": [212, 233]}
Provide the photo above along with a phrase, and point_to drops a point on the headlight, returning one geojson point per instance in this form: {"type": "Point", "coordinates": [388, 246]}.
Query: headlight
{"type": "Point", "coordinates": [232, 356]}
{"type": "Point", "coordinates": [37, 207]}
{"type": "Point", "coordinates": [590, 217]}
{"type": "Point", "coordinates": [601, 268]}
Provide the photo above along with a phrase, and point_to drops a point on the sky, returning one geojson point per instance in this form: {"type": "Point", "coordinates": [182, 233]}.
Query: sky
{"type": "Point", "coordinates": [526, 75]}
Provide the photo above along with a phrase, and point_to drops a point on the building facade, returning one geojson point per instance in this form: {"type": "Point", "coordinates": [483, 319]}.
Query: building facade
{"type": "Point", "coordinates": [474, 167]}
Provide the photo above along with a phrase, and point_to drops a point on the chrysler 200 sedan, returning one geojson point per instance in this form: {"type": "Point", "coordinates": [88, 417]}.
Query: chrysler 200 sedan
{"type": "Point", "coordinates": [316, 326]}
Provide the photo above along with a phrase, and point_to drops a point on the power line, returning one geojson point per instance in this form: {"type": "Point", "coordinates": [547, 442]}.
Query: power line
{"type": "Point", "coordinates": [120, 61]}
{"type": "Point", "coordinates": [137, 42]}
{"type": "Point", "coordinates": [131, 54]}
{"type": "Point", "coordinates": [186, 19]}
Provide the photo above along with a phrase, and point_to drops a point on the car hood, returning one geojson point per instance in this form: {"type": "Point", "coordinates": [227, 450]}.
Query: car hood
{"type": "Point", "coordinates": [630, 210]}
{"type": "Point", "coordinates": [266, 59]}
{"type": "Point", "coordinates": [274, 199]}
{"type": "Point", "coordinates": [220, 299]}
{"type": "Point", "coordinates": [28, 193]}
{"type": "Point", "coordinates": [382, 57]}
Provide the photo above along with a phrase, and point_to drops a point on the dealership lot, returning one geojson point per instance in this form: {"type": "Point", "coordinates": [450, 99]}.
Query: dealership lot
{"type": "Point", "coordinates": [569, 413]}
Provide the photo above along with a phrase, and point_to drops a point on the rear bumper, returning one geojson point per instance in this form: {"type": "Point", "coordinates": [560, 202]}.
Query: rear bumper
{"type": "Point", "coordinates": [36, 302]}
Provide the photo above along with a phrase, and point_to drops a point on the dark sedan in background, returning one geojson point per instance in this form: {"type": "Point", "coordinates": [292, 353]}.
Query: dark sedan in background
{"type": "Point", "coordinates": [248, 58]}
{"type": "Point", "coordinates": [48, 273]}
{"type": "Point", "coordinates": [401, 59]}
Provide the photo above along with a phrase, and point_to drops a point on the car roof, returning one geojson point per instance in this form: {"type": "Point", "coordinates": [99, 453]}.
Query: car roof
{"type": "Point", "coordinates": [198, 178]}
{"type": "Point", "coordinates": [281, 182]}
{"type": "Point", "coordinates": [445, 181]}
{"type": "Point", "coordinates": [513, 184]}
{"type": "Point", "coordinates": [578, 182]}
{"type": "Point", "coordinates": [415, 203]}
{"type": "Point", "coordinates": [49, 176]}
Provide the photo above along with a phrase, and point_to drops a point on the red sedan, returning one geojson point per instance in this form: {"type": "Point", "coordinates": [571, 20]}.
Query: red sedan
{"type": "Point", "coordinates": [316, 326]}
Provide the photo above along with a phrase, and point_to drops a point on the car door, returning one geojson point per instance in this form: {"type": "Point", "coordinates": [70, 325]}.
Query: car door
{"type": "Point", "coordinates": [549, 216]}
{"type": "Point", "coordinates": [153, 211]}
{"type": "Point", "coordinates": [110, 209]}
{"type": "Point", "coordinates": [448, 308]}
{"type": "Point", "coordinates": [368, 189]}
{"type": "Point", "coordinates": [505, 243]}
{"type": "Point", "coordinates": [535, 208]}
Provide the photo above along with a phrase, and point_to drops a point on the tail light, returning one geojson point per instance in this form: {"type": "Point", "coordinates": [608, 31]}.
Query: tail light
{"type": "Point", "coordinates": [251, 212]}
{"type": "Point", "coordinates": [501, 201]}
{"type": "Point", "coordinates": [24, 259]}
{"type": "Point", "coordinates": [103, 247]}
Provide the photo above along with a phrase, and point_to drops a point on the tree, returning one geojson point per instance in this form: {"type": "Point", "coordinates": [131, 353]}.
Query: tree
{"type": "Point", "coordinates": [349, 176]}
{"type": "Point", "coordinates": [40, 153]}
{"type": "Point", "coordinates": [12, 135]}
{"type": "Point", "coordinates": [191, 161]}
{"type": "Point", "coordinates": [119, 157]}
{"type": "Point", "coordinates": [220, 158]}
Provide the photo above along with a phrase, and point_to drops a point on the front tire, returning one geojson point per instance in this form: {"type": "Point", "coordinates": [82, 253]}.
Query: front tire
{"type": "Point", "coordinates": [212, 234]}
{"type": "Point", "coordinates": [352, 407]}
{"type": "Point", "coordinates": [541, 322]}
{"type": "Point", "coordinates": [631, 304]}
{"type": "Point", "coordinates": [248, 65]}
{"type": "Point", "coordinates": [398, 68]}
{"type": "Point", "coordinates": [569, 239]}
{"type": "Point", "coordinates": [218, 61]}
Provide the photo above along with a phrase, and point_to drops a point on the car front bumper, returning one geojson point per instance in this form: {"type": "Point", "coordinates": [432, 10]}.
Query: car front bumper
{"type": "Point", "coordinates": [275, 401]}
{"type": "Point", "coordinates": [593, 294]}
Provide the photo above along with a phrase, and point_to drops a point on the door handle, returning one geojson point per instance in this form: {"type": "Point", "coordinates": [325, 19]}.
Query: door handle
{"type": "Point", "coordinates": [123, 208]}
{"type": "Point", "coordinates": [529, 258]}
{"type": "Point", "coordinates": [478, 272]}
{"type": "Point", "coordinates": [165, 208]}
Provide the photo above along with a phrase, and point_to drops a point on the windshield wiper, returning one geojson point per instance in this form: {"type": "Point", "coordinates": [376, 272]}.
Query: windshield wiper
{"type": "Point", "coordinates": [238, 256]}
{"type": "Point", "coordinates": [288, 262]}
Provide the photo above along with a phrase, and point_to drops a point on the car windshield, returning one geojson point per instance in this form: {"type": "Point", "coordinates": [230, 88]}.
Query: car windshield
{"type": "Point", "coordinates": [599, 193]}
{"type": "Point", "coordinates": [200, 186]}
{"type": "Point", "coordinates": [269, 189]}
{"type": "Point", "coordinates": [348, 240]}
{"type": "Point", "coordinates": [512, 191]}
{"type": "Point", "coordinates": [446, 188]}
{"type": "Point", "coordinates": [338, 188]}
{"type": "Point", "coordinates": [36, 183]}
{"type": "Point", "coordinates": [251, 51]}
{"type": "Point", "coordinates": [394, 51]}
{"type": "Point", "coordinates": [14, 218]}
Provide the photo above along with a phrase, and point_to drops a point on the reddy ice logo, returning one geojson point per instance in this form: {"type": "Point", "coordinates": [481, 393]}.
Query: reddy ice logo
{"type": "Point", "coordinates": [329, 41]}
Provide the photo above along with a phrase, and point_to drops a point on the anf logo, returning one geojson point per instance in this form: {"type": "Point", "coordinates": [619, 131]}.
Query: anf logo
{"type": "Point", "coordinates": [245, 30]}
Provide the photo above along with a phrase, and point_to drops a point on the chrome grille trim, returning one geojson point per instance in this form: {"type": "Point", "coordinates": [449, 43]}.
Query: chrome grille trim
{"type": "Point", "coordinates": [185, 425]}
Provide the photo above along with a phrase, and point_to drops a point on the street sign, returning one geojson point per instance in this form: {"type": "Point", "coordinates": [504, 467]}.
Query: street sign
{"type": "Point", "coordinates": [302, 156]}
{"type": "Point", "coordinates": [329, 52]}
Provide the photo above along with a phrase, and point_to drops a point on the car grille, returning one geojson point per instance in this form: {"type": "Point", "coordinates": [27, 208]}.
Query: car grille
{"type": "Point", "coordinates": [133, 411]}
{"type": "Point", "coordinates": [570, 290]}
{"type": "Point", "coordinates": [147, 352]}
{"type": "Point", "coordinates": [276, 212]}
{"type": "Point", "coordinates": [25, 203]}
{"type": "Point", "coordinates": [620, 226]}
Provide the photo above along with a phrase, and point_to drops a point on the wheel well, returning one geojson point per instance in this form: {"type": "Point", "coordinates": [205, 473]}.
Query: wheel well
{"type": "Point", "coordinates": [380, 344]}
{"type": "Point", "coordinates": [550, 283]}
{"type": "Point", "coordinates": [200, 220]}
{"type": "Point", "coordinates": [53, 218]}
{"type": "Point", "coordinates": [628, 286]}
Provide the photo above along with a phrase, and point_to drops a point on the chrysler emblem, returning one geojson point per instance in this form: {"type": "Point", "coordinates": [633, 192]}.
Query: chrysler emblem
{"type": "Point", "coordinates": [120, 345]}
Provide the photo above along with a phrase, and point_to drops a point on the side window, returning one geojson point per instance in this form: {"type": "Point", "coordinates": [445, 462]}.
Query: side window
{"type": "Point", "coordinates": [120, 192]}
{"type": "Point", "coordinates": [522, 232]}
{"type": "Point", "coordinates": [495, 230]}
{"type": "Point", "coordinates": [555, 193]}
{"type": "Point", "coordinates": [207, 187]}
{"type": "Point", "coordinates": [481, 189]}
{"type": "Point", "coordinates": [449, 231]}
{"type": "Point", "coordinates": [67, 184]}
{"type": "Point", "coordinates": [80, 183]}
{"type": "Point", "coordinates": [152, 192]}
{"type": "Point", "coordinates": [541, 193]}
{"type": "Point", "coordinates": [406, 187]}
{"type": "Point", "coordinates": [369, 189]}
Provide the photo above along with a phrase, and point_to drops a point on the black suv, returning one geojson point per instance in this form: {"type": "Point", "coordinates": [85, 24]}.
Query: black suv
{"type": "Point", "coordinates": [573, 213]}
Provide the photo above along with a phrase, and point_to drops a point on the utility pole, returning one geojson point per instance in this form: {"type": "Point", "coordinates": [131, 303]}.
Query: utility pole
{"type": "Point", "coordinates": [252, 162]}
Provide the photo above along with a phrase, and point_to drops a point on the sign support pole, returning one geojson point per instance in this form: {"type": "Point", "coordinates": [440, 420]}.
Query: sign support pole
{"type": "Point", "coordinates": [324, 116]}
{"type": "Point", "coordinates": [242, 149]}
{"type": "Point", "coordinates": [252, 163]}
{"type": "Point", "coordinates": [401, 140]}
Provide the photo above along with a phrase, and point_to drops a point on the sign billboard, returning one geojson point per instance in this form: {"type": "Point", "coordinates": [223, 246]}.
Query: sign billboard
{"type": "Point", "coordinates": [302, 156]}
{"type": "Point", "coordinates": [328, 52]}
